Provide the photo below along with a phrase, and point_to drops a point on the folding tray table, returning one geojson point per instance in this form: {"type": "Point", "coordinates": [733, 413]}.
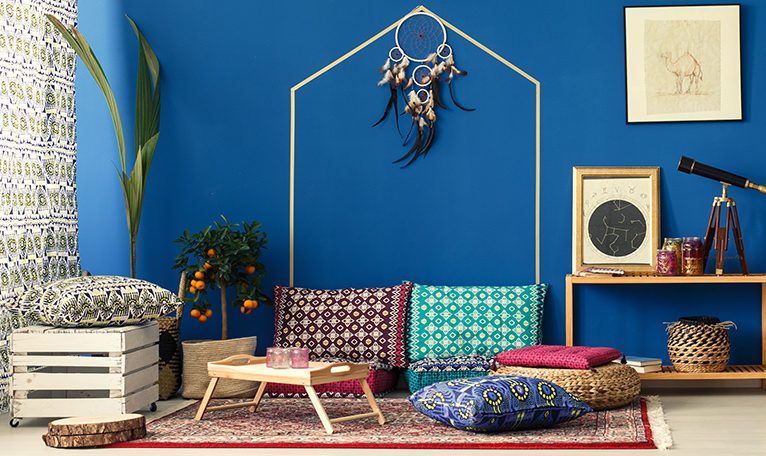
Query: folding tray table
{"type": "Point", "coordinates": [244, 367]}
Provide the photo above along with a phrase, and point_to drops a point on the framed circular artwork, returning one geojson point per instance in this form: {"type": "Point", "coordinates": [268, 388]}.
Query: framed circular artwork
{"type": "Point", "coordinates": [616, 221]}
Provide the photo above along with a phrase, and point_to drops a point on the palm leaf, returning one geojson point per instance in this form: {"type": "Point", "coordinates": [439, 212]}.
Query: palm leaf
{"type": "Point", "coordinates": [147, 120]}
{"type": "Point", "coordinates": [83, 50]}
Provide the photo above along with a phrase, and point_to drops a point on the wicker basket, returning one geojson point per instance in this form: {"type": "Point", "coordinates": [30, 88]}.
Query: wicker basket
{"type": "Point", "coordinates": [169, 365]}
{"type": "Point", "coordinates": [197, 353]}
{"type": "Point", "coordinates": [607, 386]}
{"type": "Point", "coordinates": [699, 344]}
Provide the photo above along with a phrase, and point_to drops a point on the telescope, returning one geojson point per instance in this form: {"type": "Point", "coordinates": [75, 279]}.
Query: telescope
{"type": "Point", "coordinates": [714, 230]}
{"type": "Point", "coordinates": [690, 166]}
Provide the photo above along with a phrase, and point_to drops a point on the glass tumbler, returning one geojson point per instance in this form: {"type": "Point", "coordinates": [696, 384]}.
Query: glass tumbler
{"type": "Point", "coordinates": [674, 244]}
{"type": "Point", "coordinates": [691, 256]}
{"type": "Point", "coordinates": [300, 358]}
{"type": "Point", "coordinates": [666, 262]}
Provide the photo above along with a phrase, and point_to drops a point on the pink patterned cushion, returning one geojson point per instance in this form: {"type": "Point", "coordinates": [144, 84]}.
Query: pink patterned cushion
{"type": "Point", "coordinates": [351, 323]}
{"type": "Point", "coordinates": [381, 379]}
{"type": "Point", "coordinates": [558, 356]}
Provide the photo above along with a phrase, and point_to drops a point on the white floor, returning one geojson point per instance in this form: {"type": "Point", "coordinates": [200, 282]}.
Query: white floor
{"type": "Point", "coordinates": [703, 422]}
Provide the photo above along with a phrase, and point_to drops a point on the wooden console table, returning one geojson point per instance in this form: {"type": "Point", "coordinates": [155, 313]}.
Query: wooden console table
{"type": "Point", "coordinates": [668, 372]}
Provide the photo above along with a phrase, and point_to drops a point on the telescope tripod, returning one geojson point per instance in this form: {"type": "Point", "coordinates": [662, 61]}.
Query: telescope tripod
{"type": "Point", "coordinates": [721, 233]}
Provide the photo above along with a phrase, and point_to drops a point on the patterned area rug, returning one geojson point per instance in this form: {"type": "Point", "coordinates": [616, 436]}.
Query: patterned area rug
{"type": "Point", "coordinates": [293, 423]}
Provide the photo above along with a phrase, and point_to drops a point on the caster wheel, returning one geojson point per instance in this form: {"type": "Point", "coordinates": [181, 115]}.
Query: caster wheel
{"type": "Point", "coordinates": [153, 407]}
{"type": "Point", "coordinates": [15, 422]}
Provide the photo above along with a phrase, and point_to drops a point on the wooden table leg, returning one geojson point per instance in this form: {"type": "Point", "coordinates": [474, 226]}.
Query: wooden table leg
{"type": "Point", "coordinates": [371, 400]}
{"type": "Point", "coordinates": [258, 396]}
{"type": "Point", "coordinates": [318, 407]}
{"type": "Point", "coordinates": [206, 399]}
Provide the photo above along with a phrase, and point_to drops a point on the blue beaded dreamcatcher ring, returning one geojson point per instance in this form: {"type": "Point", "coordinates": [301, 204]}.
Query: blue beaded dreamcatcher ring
{"type": "Point", "coordinates": [422, 38]}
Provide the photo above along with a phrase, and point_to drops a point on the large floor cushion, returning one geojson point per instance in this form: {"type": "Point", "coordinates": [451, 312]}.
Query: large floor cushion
{"type": "Point", "coordinates": [355, 324]}
{"type": "Point", "coordinates": [434, 370]}
{"type": "Point", "coordinates": [382, 379]}
{"type": "Point", "coordinates": [94, 301]}
{"type": "Point", "coordinates": [498, 403]}
{"type": "Point", "coordinates": [449, 321]}
{"type": "Point", "coordinates": [608, 386]}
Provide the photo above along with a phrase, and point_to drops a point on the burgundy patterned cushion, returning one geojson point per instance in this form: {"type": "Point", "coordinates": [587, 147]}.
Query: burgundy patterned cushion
{"type": "Point", "coordinates": [558, 356]}
{"type": "Point", "coordinates": [350, 323]}
{"type": "Point", "coordinates": [381, 379]}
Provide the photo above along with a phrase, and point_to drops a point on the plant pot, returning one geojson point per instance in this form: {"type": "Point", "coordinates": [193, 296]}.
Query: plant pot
{"type": "Point", "coordinates": [196, 355]}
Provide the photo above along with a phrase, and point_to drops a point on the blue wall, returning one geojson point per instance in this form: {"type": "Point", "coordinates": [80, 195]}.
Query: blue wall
{"type": "Point", "coordinates": [465, 214]}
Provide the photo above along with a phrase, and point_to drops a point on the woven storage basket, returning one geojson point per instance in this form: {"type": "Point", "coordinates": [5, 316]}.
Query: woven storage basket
{"type": "Point", "coordinates": [608, 386]}
{"type": "Point", "coordinates": [699, 344]}
{"type": "Point", "coordinates": [169, 365]}
{"type": "Point", "coordinates": [197, 353]}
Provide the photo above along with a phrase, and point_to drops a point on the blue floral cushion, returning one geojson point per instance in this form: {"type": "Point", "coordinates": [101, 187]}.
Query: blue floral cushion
{"type": "Point", "coordinates": [498, 403]}
{"type": "Point", "coordinates": [94, 301]}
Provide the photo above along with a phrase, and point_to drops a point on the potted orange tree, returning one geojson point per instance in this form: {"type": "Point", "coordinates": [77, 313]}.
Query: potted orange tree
{"type": "Point", "coordinates": [221, 257]}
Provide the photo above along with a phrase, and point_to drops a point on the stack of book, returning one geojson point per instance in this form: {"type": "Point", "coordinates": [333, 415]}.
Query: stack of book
{"type": "Point", "coordinates": [642, 364]}
{"type": "Point", "coordinates": [599, 272]}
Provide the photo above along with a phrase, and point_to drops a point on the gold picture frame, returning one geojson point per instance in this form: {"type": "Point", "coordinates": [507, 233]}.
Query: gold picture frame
{"type": "Point", "coordinates": [683, 63]}
{"type": "Point", "coordinates": [616, 218]}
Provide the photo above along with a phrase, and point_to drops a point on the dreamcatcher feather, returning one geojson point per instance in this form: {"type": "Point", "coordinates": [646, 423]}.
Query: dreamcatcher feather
{"type": "Point", "coordinates": [421, 38]}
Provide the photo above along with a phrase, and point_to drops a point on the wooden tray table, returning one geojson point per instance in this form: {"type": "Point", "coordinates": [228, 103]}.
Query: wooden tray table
{"type": "Point", "coordinates": [244, 367]}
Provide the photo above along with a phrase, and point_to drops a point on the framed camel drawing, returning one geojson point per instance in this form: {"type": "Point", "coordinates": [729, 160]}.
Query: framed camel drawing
{"type": "Point", "coordinates": [683, 63]}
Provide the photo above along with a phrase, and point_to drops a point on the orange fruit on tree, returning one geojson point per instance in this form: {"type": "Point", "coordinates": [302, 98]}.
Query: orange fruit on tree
{"type": "Point", "coordinates": [244, 309]}
{"type": "Point", "coordinates": [195, 313]}
{"type": "Point", "coordinates": [210, 252]}
{"type": "Point", "coordinates": [247, 304]}
{"type": "Point", "coordinates": [199, 275]}
{"type": "Point", "coordinates": [200, 285]}
{"type": "Point", "coordinates": [209, 313]}
{"type": "Point", "coordinates": [248, 311]}
{"type": "Point", "coordinates": [255, 304]}
{"type": "Point", "coordinates": [202, 318]}
{"type": "Point", "coordinates": [192, 290]}
{"type": "Point", "coordinates": [207, 265]}
{"type": "Point", "coordinates": [249, 269]}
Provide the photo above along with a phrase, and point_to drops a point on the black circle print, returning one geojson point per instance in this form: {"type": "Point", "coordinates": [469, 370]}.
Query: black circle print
{"type": "Point", "coordinates": [617, 228]}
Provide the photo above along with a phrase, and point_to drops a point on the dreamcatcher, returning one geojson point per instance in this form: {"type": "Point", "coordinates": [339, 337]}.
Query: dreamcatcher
{"type": "Point", "coordinates": [420, 38]}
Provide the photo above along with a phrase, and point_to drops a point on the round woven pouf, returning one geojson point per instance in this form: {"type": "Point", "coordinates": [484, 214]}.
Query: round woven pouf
{"type": "Point", "coordinates": [608, 386]}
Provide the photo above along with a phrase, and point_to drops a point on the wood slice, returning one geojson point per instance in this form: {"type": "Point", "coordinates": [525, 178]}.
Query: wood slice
{"type": "Point", "coordinates": [90, 440]}
{"type": "Point", "coordinates": [96, 424]}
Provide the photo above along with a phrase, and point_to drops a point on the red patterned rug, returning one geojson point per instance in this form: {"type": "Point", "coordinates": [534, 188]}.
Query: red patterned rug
{"type": "Point", "coordinates": [292, 423]}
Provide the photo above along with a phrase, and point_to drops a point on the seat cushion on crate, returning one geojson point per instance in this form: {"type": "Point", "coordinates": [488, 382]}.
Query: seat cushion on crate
{"type": "Point", "coordinates": [95, 301]}
{"type": "Point", "coordinates": [382, 379]}
{"type": "Point", "coordinates": [608, 386]}
{"type": "Point", "coordinates": [355, 324]}
{"type": "Point", "coordinates": [449, 321]}
{"type": "Point", "coordinates": [434, 370]}
{"type": "Point", "coordinates": [498, 403]}
{"type": "Point", "coordinates": [558, 356]}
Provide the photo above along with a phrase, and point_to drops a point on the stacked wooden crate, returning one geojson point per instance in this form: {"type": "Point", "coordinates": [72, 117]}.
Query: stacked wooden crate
{"type": "Point", "coordinates": [63, 372]}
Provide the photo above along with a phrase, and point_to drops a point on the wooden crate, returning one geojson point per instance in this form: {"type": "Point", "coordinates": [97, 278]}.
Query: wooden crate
{"type": "Point", "coordinates": [64, 372]}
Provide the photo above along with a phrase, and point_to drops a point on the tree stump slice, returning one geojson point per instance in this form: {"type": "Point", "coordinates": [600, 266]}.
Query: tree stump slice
{"type": "Point", "coordinates": [88, 431]}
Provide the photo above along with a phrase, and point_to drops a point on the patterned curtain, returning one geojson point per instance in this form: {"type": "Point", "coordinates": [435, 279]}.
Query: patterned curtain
{"type": "Point", "coordinates": [38, 202]}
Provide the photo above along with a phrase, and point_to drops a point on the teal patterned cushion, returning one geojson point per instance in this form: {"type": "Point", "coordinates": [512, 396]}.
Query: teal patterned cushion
{"type": "Point", "coordinates": [462, 321]}
{"type": "Point", "coordinates": [95, 301]}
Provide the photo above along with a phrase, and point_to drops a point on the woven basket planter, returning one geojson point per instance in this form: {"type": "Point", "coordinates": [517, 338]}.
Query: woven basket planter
{"type": "Point", "coordinates": [169, 365]}
{"type": "Point", "coordinates": [197, 353]}
{"type": "Point", "coordinates": [699, 344]}
{"type": "Point", "coordinates": [608, 386]}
